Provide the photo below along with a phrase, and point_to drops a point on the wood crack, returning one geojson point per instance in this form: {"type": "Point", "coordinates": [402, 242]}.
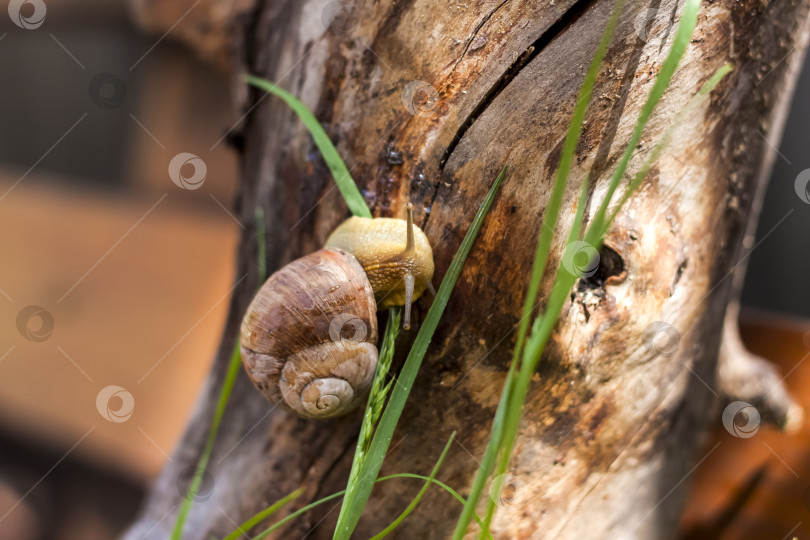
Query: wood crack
{"type": "Point", "coordinates": [480, 25]}
{"type": "Point", "coordinates": [529, 54]}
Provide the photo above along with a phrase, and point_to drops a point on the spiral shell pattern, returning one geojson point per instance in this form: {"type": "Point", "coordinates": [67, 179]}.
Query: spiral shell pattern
{"type": "Point", "coordinates": [308, 336]}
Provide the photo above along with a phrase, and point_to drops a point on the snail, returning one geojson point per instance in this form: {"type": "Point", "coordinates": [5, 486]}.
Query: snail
{"type": "Point", "coordinates": [308, 338]}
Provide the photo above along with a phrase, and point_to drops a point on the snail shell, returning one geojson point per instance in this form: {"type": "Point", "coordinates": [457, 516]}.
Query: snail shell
{"type": "Point", "coordinates": [308, 337]}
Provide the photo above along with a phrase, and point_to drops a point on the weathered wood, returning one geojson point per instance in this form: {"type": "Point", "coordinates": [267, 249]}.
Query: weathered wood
{"type": "Point", "coordinates": [614, 419]}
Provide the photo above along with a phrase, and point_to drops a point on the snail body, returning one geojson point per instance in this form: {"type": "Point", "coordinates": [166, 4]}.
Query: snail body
{"type": "Point", "coordinates": [308, 337]}
{"type": "Point", "coordinates": [395, 254]}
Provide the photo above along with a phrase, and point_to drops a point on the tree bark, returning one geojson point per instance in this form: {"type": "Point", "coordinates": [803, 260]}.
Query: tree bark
{"type": "Point", "coordinates": [612, 426]}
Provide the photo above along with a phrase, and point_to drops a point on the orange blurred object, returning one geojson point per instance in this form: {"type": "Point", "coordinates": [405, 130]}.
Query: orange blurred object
{"type": "Point", "coordinates": [759, 487]}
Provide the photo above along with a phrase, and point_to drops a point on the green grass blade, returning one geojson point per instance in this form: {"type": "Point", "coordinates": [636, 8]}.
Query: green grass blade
{"type": "Point", "coordinates": [550, 219]}
{"type": "Point", "coordinates": [552, 212]}
{"type": "Point", "coordinates": [662, 143]}
{"type": "Point", "coordinates": [267, 532]}
{"type": "Point", "coordinates": [537, 330]}
{"type": "Point", "coordinates": [579, 217]}
{"type": "Point", "coordinates": [224, 394]}
{"type": "Point", "coordinates": [683, 36]}
{"type": "Point", "coordinates": [264, 514]}
{"type": "Point", "coordinates": [379, 388]}
{"type": "Point", "coordinates": [394, 524]}
{"type": "Point", "coordinates": [385, 431]}
{"type": "Point", "coordinates": [442, 485]}
{"type": "Point", "coordinates": [376, 399]}
{"type": "Point", "coordinates": [488, 461]}
{"type": "Point", "coordinates": [345, 183]}
{"type": "Point", "coordinates": [563, 280]}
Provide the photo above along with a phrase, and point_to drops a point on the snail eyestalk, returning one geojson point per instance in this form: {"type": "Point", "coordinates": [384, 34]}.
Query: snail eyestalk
{"type": "Point", "coordinates": [410, 281]}
{"type": "Point", "coordinates": [410, 243]}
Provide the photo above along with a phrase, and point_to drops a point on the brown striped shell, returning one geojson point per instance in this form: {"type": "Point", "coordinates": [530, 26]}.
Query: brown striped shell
{"type": "Point", "coordinates": [308, 337]}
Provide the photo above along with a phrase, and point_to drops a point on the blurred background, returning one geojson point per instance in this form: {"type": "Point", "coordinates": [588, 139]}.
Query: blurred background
{"type": "Point", "coordinates": [115, 281]}
{"type": "Point", "coordinates": [129, 274]}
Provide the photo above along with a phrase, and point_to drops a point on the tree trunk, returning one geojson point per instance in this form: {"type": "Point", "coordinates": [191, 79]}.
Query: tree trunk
{"type": "Point", "coordinates": [613, 422]}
